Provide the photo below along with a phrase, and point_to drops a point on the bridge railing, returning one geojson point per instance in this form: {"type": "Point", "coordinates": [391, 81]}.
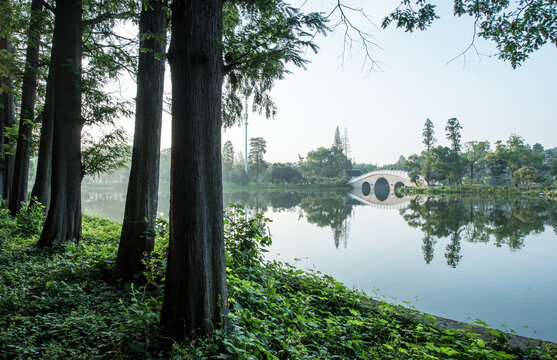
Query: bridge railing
{"type": "Point", "coordinates": [399, 173]}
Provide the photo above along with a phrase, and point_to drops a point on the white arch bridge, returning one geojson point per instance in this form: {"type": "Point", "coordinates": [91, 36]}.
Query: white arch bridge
{"type": "Point", "coordinates": [379, 184]}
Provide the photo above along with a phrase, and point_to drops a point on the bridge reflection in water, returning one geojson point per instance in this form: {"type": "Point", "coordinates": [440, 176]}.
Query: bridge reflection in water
{"type": "Point", "coordinates": [381, 188]}
{"type": "Point", "coordinates": [391, 202]}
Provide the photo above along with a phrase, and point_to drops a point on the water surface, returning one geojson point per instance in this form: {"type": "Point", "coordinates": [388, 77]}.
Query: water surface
{"type": "Point", "coordinates": [458, 258]}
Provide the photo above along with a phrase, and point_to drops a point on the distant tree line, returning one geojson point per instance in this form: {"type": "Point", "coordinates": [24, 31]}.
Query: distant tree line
{"type": "Point", "coordinates": [476, 162]}
{"type": "Point", "coordinates": [320, 166]}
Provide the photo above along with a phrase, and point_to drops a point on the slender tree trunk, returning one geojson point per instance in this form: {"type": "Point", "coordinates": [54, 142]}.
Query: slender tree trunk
{"type": "Point", "coordinates": [63, 221]}
{"type": "Point", "coordinates": [29, 90]}
{"type": "Point", "coordinates": [7, 118]}
{"type": "Point", "coordinates": [143, 186]}
{"type": "Point", "coordinates": [41, 188]}
{"type": "Point", "coordinates": [4, 115]}
{"type": "Point", "coordinates": [195, 298]}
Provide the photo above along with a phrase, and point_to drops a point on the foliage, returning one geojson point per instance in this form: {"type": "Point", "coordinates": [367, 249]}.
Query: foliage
{"type": "Point", "coordinates": [337, 141]}
{"type": "Point", "coordinates": [518, 27]}
{"type": "Point", "coordinates": [478, 164]}
{"type": "Point", "coordinates": [30, 220]}
{"type": "Point", "coordinates": [257, 147]}
{"type": "Point", "coordinates": [227, 160]}
{"type": "Point", "coordinates": [475, 157]}
{"type": "Point", "coordinates": [108, 154]}
{"type": "Point", "coordinates": [324, 162]}
{"type": "Point", "coordinates": [428, 134]}
{"type": "Point", "coordinates": [55, 303]}
{"type": "Point", "coordinates": [284, 173]}
{"type": "Point", "coordinates": [416, 164]}
{"type": "Point", "coordinates": [239, 176]}
{"type": "Point", "coordinates": [245, 240]}
{"type": "Point", "coordinates": [261, 38]}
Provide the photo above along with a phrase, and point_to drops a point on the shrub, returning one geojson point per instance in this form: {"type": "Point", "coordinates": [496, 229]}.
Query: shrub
{"type": "Point", "coordinates": [30, 220]}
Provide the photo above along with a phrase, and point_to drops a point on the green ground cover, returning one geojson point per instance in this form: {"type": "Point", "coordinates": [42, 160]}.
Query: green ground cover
{"type": "Point", "coordinates": [58, 304]}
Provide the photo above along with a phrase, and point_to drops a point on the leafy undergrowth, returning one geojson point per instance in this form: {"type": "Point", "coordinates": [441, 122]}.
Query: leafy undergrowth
{"type": "Point", "coordinates": [57, 304]}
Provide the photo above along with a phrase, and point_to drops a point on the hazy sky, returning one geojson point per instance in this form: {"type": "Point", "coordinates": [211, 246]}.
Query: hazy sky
{"type": "Point", "coordinates": [384, 111]}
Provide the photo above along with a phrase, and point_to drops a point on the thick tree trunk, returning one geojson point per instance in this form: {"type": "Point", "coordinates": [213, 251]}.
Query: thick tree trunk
{"type": "Point", "coordinates": [141, 200]}
{"type": "Point", "coordinates": [63, 221]}
{"type": "Point", "coordinates": [7, 118]}
{"type": "Point", "coordinates": [41, 188]}
{"type": "Point", "coordinates": [195, 298]}
{"type": "Point", "coordinates": [29, 90]}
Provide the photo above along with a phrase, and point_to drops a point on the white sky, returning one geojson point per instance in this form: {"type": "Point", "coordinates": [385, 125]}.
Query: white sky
{"type": "Point", "coordinates": [384, 112]}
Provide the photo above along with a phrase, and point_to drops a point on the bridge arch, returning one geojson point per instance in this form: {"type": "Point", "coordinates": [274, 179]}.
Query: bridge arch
{"type": "Point", "coordinates": [382, 189]}
{"type": "Point", "coordinates": [366, 188]}
{"type": "Point", "coordinates": [382, 183]}
{"type": "Point", "coordinates": [398, 185]}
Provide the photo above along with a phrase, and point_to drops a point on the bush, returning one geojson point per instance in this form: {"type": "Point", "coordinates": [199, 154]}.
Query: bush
{"type": "Point", "coordinates": [30, 220]}
{"type": "Point", "coordinates": [285, 174]}
{"type": "Point", "coordinates": [245, 239]}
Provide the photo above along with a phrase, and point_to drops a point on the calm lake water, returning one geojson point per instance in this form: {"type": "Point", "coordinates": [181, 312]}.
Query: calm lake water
{"type": "Point", "coordinates": [456, 258]}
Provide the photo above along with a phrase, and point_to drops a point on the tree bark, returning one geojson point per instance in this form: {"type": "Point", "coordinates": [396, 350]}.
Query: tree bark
{"type": "Point", "coordinates": [7, 118]}
{"type": "Point", "coordinates": [195, 299]}
{"type": "Point", "coordinates": [143, 186]}
{"type": "Point", "coordinates": [28, 94]}
{"type": "Point", "coordinates": [41, 188]}
{"type": "Point", "coordinates": [63, 221]}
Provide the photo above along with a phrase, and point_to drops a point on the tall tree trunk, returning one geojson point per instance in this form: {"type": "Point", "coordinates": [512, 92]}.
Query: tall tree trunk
{"type": "Point", "coordinates": [63, 221]}
{"type": "Point", "coordinates": [41, 188]}
{"type": "Point", "coordinates": [142, 197]}
{"type": "Point", "coordinates": [4, 115]}
{"type": "Point", "coordinates": [29, 90]}
{"type": "Point", "coordinates": [195, 297]}
{"type": "Point", "coordinates": [7, 118]}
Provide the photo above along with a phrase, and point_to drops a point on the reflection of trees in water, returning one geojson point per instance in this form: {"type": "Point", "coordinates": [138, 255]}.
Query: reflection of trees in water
{"type": "Point", "coordinates": [511, 222]}
{"type": "Point", "coordinates": [329, 209]}
{"type": "Point", "coordinates": [110, 202]}
{"type": "Point", "coordinates": [277, 201]}
{"type": "Point", "coordinates": [106, 203]}
{"type": "Point", "coordinates": [475, 220]}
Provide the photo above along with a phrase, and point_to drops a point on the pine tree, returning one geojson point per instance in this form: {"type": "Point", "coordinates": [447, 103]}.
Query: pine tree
{"type": "Point", "coordinates": [337, 141]}
{"type": "Point", "coordinates": [428, 134]}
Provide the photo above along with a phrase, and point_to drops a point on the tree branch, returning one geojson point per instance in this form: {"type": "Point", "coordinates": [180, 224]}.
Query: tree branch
{"type": "Point", "coordinates": [365, 39]}
{"type": "Point", "coordinates": [106, 16]}
{"type": "Point", "coordinates": [48, 6]}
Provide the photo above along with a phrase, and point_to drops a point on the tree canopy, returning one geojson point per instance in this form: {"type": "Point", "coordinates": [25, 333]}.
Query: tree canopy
{"type": "Point", "coordinates": [517, 27]}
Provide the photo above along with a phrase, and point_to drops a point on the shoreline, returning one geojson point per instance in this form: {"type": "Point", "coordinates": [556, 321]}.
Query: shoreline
{"type": "Point", "coordinates": [514, 340]}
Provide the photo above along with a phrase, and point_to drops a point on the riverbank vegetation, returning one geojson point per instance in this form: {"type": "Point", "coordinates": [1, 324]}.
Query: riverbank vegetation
{"type": "Point", "coordinates": [58, 303]}
{"type": "Point", "coordinates": [513, 162]}
{"type": "Point", "coordinates": [534, 192]}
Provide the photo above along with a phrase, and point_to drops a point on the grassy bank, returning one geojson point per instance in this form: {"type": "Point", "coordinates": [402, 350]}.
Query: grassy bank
{"type": "Point", "coordinates": [489, 191]}
{"type": "Point", "coordinates": [57, 304]}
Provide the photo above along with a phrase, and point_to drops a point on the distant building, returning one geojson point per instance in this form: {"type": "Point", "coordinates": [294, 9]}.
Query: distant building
{"type": "Point", "coordinates": [350, 174]}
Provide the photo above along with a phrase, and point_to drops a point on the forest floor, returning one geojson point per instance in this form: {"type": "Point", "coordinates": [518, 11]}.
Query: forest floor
{"type": "Point", "coordinates": [58, 303]}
